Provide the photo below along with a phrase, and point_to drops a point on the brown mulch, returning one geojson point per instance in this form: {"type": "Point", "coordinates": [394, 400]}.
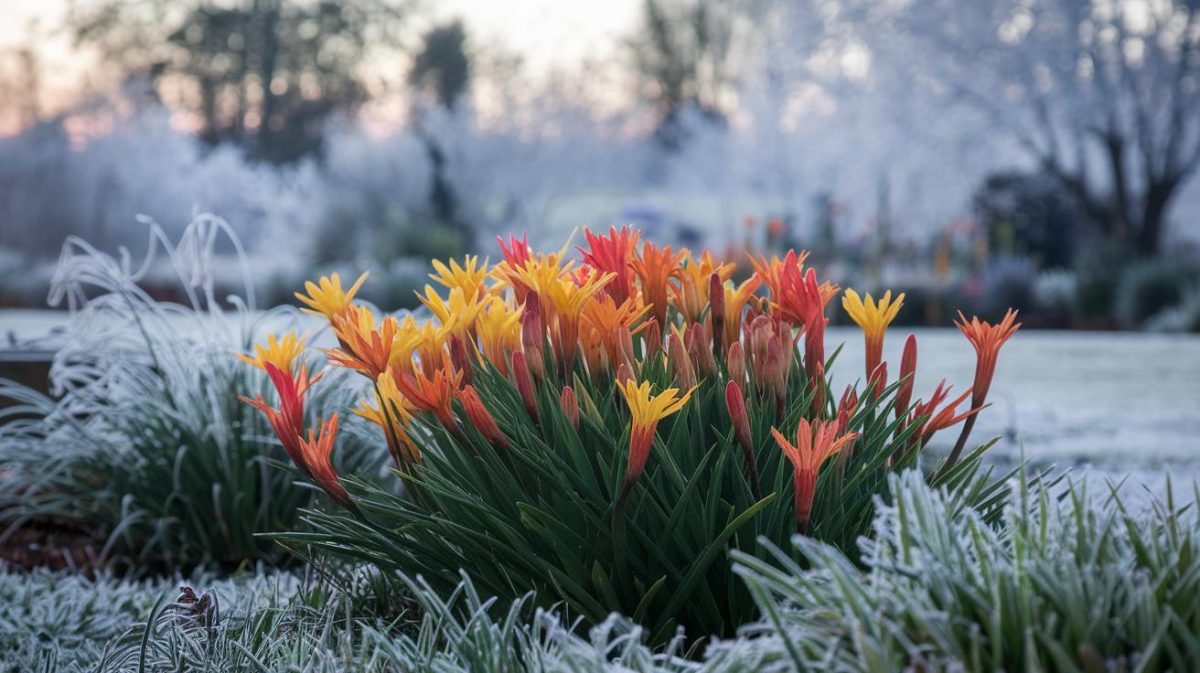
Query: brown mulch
{"type": "Point", "coordinates": [51, 543]}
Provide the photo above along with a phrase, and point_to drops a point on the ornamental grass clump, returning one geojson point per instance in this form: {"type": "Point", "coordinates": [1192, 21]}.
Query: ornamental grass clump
{"type": "Point", "coordinates": [603, 430]}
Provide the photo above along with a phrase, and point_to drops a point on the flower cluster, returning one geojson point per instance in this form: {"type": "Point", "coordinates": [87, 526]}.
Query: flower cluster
{"type": "Point", "coordinates": [659, 325]}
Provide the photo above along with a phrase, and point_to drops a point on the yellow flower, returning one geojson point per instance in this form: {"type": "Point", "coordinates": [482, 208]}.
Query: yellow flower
{"type": "Point", "coordinates": [695, 277]}
{"type": "Point", "coordinates": [279, 352]}
{"type": "Point", "coordinates": [498, 327]}
{"type": "Point", "coordinates": [646, 411]}
{"type": "Point", "coordinates": [393, 413]}
{"type": "Point", "coordinates": [328, 299]}
{"type": "Point", "coordinates": [873, 317]}
{"type": "Point", "coordinates": [467, 277]}
{"type": "Point", "coordinates": [457, 312]}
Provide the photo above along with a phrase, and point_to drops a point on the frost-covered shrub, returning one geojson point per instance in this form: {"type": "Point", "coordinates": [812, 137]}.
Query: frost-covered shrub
{"type": "Point", "coordinates": [1151, 287]}
{"type": "Point", "coordinates": [145, 441]}
{"type": "Point", "coordinates": [1077, 584]}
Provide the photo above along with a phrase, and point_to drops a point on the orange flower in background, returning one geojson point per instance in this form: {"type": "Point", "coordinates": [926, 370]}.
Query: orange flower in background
{"type": "Point", "coordinates": [366, 348]}
{"type": "Point", "coordinates": [815, 443]}
{"type": "Point", "coordinates": [480, 417]}
{"type": "Point", "coordinates": [645, 412]}
{"type": "Point", "coordinates": [873, 318]}
{"type": "Point", "coordinates": [655, 268]}
{"type": "Point", "coordinates": [279, 352]}
{"type": "Point", "coordinates": [468, 277]}
{"type": "Point", "coordinates": [612, 254]}
{"type": "Point", "coordinates": [326, 297]}
{"type": "Point", "coordinates": [317, 451]}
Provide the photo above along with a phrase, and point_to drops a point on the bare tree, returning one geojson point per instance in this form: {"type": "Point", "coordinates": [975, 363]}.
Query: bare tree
{"type": "Point", "coordinates": [264, 74]}
{"type": "Point", "coordinates": [683, 57]}
{"type": "Point", "coordinates": [1103, 94]}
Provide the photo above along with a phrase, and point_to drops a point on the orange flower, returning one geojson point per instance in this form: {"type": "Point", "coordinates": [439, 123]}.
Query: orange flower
{"type": "Point", "coordinates": [987, 340]}
{"type": "Point", "coordinates": [606, 323]}
{"type": "Point", "coordinates": [480, 417]}
{"type": "Point", "coordinates": [873, 318]}
{"type": "Point", "coordinates": [327, 298]}
{"type": "Point", "coordinates": [288, 420]}
{"type": "Point", "coordinates": [695, 283]}
{"type": "Point", "coordinates": [431, 393]}
{"type": "Point", "coordinates": [316, 452]}
{"type": "Point", "coordinates": [932, 419]}
{"type": "Point", "coordinates": [655, 268]}
{"type": "Point", "coordinates": [646, 411]}
{"type": "Point", "coordinates": [568, 298]}
{"type": "Point", "coordinates": [770, 272]}
{"type": "Point", "coordinates": [366, 348]}
{"type": "Point", "coordinates": [279, 352]}
{"type": "Point", "coordinates": [815, 443]}
{"type": "Point", "coordinates": [612, 254]}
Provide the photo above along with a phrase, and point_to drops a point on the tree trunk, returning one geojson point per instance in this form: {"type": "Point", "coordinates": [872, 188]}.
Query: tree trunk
{"type": "Point", "coordinates": [1149, 234]}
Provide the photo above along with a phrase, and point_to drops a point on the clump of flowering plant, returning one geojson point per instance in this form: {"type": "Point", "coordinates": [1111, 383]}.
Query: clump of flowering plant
{"type": "Point", "coordinates": [605, 429]}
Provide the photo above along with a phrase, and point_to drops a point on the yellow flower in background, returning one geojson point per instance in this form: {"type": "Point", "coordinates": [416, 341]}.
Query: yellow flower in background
{"type": "Point", "coordinates": [468, 277]}
{"type": "Point", "coordinates": [281, 352]}
{"type": "Point", "coordinates": [327, 298]}
{"type": "Point", "coordinates": [873, 317]}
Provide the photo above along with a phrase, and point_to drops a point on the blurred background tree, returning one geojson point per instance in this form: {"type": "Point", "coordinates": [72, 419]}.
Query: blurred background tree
{"type": "Point", "coordinates": [683, 60]}
{"type": "Point", "coordinates": [264, 74]}
{"type": "Point", "coordinates": [1103, 96]}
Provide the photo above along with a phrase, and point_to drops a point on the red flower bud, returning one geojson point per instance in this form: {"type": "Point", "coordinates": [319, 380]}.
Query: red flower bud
{"type": "Point", "coordinates": [524, 382]}
{"type": "Point", "coordinates": [480, 417]}
{"type": "Point", "coordinates": [533, 334]}
{"type": "Point", "coordinates": [570, 405]}
{"type": "Point", "coordinates": [908, 374]}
